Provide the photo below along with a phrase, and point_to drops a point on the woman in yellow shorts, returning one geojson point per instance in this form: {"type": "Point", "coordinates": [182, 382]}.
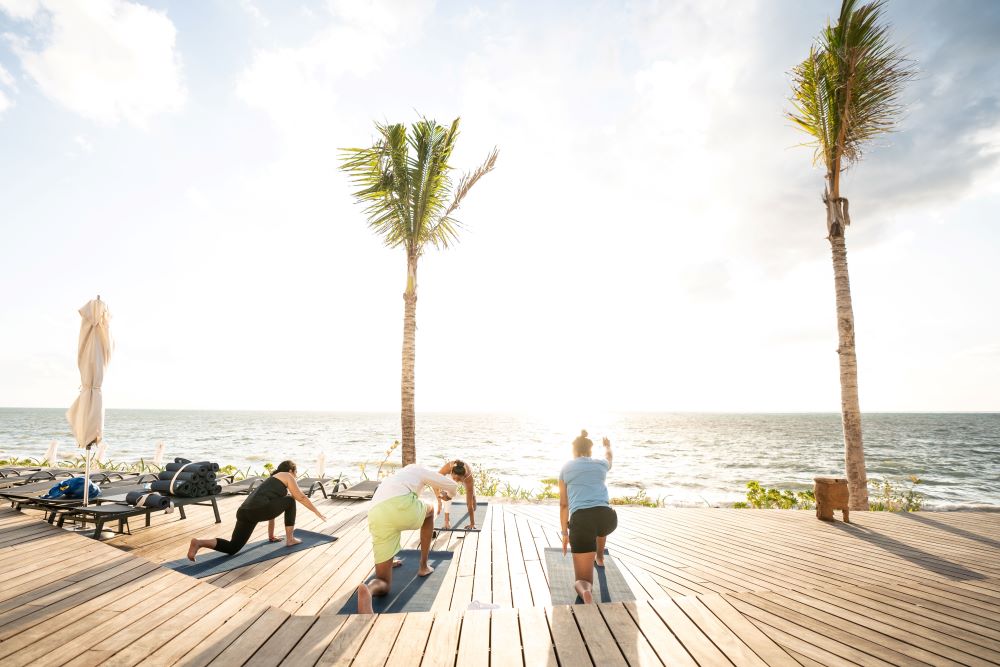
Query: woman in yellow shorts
{"type": "Point", "coordinates": [396, 507]}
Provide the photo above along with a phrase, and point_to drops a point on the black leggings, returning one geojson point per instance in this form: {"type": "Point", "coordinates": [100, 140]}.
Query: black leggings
{"type": "Point", "coordinates": [247, 520]}
{"type": "Point", "coordinates": [586, 525]}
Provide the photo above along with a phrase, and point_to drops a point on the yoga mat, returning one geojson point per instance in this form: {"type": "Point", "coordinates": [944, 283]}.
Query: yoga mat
{"type": "Point", "coordinates": [408, 592]}
{"type": "Point", "coordinates": [609, 583]}
{"type": "Point", "coordinates": [212, 562]}
{"type": "Point", "coordinates": [460, 516]}
{"type": "Point", "coordinates": [154, 500]}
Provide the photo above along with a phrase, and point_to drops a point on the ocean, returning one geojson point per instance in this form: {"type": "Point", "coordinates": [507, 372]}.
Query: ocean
{"type": "Point", "coordinates": [683, 459]}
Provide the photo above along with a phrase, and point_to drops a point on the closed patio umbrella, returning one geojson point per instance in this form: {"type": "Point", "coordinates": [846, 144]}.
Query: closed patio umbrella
{"type": "Point", "coordinates": [86, 415]}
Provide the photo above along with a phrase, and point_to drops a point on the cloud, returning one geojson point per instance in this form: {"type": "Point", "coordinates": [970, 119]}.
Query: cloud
{"type": "Point", "coordinates": [110, 61]}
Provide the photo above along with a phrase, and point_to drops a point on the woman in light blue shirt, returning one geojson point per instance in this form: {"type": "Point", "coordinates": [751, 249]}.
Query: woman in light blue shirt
{"type": "Point", "coordinates": [585, 511]}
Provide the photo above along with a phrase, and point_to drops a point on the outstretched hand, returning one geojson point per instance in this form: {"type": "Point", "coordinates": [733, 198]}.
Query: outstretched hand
{"type": "Point", "coordinates": [606, 442]}
{"type": "Point", "coordinates": [319, 514]}
{"type": "Point", "coordinates": [565, 541]}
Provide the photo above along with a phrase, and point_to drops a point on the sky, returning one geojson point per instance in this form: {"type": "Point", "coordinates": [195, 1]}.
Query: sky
{"type": "Point", "coordinates": [652, 238]}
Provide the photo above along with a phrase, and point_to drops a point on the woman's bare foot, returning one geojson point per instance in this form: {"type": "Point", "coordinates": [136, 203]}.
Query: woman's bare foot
{"type": "Point", "coordinates": [274, 538]}
{"type": "Point", "coordinates": [293, 541]}
{"type": "Point", "coordinates": [585, 592]}
{"type": "Point", "coordinates": [599, 560]}
{"type": "Point", "coordinates": [397, 562]}
{"type": "Point", "coordinates": [587, 597]}
{"type": "Point", "coordinates": [424, 571]}
{"type": "Point", "coordinates": [193, 550]}
{"type": "Point", "coordinates": [365, 600]}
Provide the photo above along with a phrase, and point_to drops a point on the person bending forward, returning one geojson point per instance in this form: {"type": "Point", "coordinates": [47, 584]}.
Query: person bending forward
{"type": "Point", "coordinates": [267, 501]}
{"type": "Point", "coordinates": [461, 472]}
{"type": "Point", "coordinates": [585, 511]}
{"type": "Point", "coordinates": [396, 507]}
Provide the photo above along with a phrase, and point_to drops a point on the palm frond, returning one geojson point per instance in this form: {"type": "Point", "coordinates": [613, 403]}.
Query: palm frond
{"type": "Point", "coordinates": [847, 91]}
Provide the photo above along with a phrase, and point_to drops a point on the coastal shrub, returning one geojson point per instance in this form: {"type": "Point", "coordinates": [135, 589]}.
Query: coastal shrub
{"type": "Point", "coordinates": [759, 497]}
{"type": "Point", "coordinates": [639, 498]}
{"type": "Point", "coordinates": [887, 496]}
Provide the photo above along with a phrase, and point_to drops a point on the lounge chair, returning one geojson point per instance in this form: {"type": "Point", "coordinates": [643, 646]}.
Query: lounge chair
{"type": "Point", "coordinates": [240, 488]}
{"type": "Point", "coordinates": [37, 476]}
{"type": "Point", "coordinates": [114, 508]}
{"type": "Point", "coordinates": [22, 499]}
{"type": "Point", "coordinates": [325, 485]}
{"type": "Point", "coordinates": [360, 491]}
{"type": "Point", "coordinates": [15, 471]}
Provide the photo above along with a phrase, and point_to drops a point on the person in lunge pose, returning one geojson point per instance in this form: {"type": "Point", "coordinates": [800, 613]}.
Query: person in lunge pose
{"type": "Point", "coordinates": [396, 507]}
{"type": "Point", "coordinates": [266, 502]}
{"type": "Point", "coordinates": [585, 512]}
{"type": "Point", "coordinates": [461, 472]}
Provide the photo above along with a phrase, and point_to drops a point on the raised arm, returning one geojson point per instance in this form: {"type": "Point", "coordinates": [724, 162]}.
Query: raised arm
{"type": "Point", "coordinates": [292, 484]}
{"type": "Point", "coordinates": [607, 451]}
{"type": "Point", "coordinates": [446, 468]}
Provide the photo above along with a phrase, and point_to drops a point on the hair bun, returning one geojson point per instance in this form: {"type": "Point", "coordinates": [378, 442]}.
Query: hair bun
{"type": "Point", "coordinates": [583, 433]}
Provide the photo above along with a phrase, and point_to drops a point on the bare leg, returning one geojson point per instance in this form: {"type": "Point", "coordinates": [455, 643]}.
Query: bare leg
{"type": "Point", "coordinates": [599, 557]}
{"type": "Point", "coordinates": [426, 535]}
{"type": "Point", "coordinates": [290, 539]}
{"type": "Point", "coordinates": [197, 545]}
{"type": "Point", "coordinates": [583, 571]}
{"type": "Point", "coordinates": [270, 532]}
{"type": "Point", "coordinates": [380, 585]}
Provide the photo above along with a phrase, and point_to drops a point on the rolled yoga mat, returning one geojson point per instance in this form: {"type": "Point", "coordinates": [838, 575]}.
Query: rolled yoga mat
{"type": "Point", "coordinates": [609, 583]}
{"type": "Point", "coordinates": [182, 489]}
{"type": "Point", "coordinates": [409, 592]}
{"type": "Point", "coordinates": [187, 476]}
{"type": "Point", "coordinates": [460, 516]}
{"type": "Point", "coordinates": [147, 499]}
{"type": "Point", "coordinates": [213, 562]}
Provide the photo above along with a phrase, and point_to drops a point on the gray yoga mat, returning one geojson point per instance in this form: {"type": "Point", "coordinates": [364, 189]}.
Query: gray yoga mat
{"type": "Point", "coordinates": [409, 592]}
{"type": "Point", "coordinates": [460, 516]}
{"type": "Point", "coordinates": [609, 583]}
{"type": "Point", "coordinates": [212, 562]}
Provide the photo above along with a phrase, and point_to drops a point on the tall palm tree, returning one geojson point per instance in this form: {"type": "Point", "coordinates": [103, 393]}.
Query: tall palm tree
{"type": "Point", "coordinates": [405, 184]}
{"type": "Point", "coordinates": [845, 93]}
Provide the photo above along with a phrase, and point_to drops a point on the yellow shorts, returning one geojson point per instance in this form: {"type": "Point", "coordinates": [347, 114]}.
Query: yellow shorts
{"type": "Point", "coordinates": [390, 518]}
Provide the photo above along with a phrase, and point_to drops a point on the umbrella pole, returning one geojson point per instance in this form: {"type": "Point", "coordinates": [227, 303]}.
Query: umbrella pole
{"type": "Point", "coordinates": [86, 473]}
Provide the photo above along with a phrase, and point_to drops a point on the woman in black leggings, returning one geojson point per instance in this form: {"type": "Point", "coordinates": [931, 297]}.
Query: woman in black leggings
{"type": "Point", "coordinates": [268, 501]}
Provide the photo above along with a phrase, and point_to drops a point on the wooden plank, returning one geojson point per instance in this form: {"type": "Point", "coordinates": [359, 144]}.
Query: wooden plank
{"type": "Point", "coordinates": [570, 646]}
{"type": "Point", "coordinates": [412, 640]}
{"type": "Point", "coordinates": [347, 642]}
{"type": "Point", "coordinates": [380, 640]}
{"type": "Point", "coordinates": [251, 639]}
{"type": "Point", "coordinates": [749, 634]}
{"type": "Point", "coordinates": [663, 641]}
{"type": "Point", "coordinates": [505, 638]}
{"type": "Point", "coordinates": [281, 642]}
{"type": "Point", "coordinates": [474, 641]}
{"type": "Point", "coordinates": [720, 635]}
{"type": "Point", "coordinates": [602, 645]}
{"type": "Point", "coordinates": [631, 641]}
{"type": "Point", "coordinates": [693, 639]}
{"type": "Point", "coordinates": [317, 638]}
{"type": "Point", "coordinates": [442, 644]}
{"type": "Point", "coordinates": [536, 639]}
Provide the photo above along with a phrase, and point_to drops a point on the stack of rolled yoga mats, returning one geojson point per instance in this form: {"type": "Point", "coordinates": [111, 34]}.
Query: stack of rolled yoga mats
{"type": "Point", "coordinates": [186, 479]}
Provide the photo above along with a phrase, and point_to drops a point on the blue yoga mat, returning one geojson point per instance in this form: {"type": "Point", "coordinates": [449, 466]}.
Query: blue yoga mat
{"type": "Point", "coordinates": [460, 516]}
{"type": "Point", "coordinates": [609, 583]}
{"type": "Point", "coordinates": [212, 562]}
{"type": "Point", "coordinates": [408, 592]}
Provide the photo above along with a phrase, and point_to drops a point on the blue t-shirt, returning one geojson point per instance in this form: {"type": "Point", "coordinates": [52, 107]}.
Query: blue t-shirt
{"type": "Point", "coordinates": [586, 483]}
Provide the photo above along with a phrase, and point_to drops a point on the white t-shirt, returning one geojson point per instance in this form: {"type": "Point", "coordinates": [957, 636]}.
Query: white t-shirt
{"type": "Point", "coordinates": [412, 479]}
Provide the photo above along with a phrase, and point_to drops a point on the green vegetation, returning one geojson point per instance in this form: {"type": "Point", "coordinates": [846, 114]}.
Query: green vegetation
{"type": "Point", "coordinates": [759, 497]}
{"type": "Point", "coordinates": [640, 498]}
{"type": "Point", "coordinates": [405, 185]}
{"type": "Point", "coordinates": [887, 496]}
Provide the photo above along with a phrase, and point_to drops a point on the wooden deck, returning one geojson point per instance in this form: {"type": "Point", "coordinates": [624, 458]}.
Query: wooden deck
{"type": "Point", "coordinates": [712, 587]}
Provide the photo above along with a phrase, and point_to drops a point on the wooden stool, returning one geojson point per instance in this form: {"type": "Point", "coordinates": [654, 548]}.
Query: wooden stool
{"type": "Point", "coordinates": [831, 494]}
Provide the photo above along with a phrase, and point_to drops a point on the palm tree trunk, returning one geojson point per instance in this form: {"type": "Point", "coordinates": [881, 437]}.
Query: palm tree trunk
{"type": "Point", "coordinates": [854, 453]}
{"type": "Point", "coordinates": [408, 412]}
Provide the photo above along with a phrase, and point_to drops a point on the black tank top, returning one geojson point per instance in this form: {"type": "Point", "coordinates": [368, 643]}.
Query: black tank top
{"type": "Point", "coordinates": [270, 489]}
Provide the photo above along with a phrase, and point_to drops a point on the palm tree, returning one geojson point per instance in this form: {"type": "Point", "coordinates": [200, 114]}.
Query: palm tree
{"type": "Point", "coordinates": [405, 184]}
{"type": "Point", "coordinates": [845, 93]}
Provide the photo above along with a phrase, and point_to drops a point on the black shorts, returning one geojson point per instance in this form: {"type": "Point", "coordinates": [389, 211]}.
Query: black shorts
{"type": "Point", "coordinates": [586, 525]}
